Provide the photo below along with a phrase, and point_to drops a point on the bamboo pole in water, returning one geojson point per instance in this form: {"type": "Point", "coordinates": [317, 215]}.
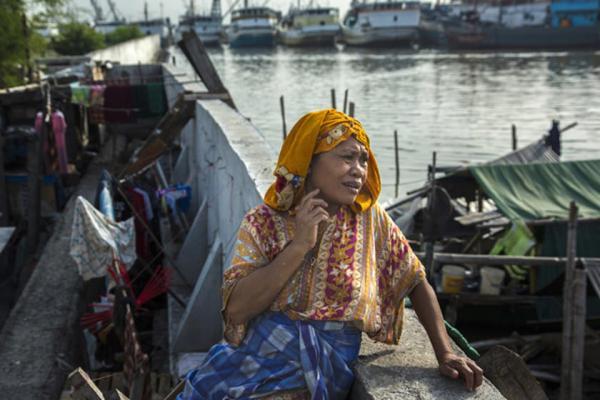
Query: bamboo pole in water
{"type": "Point", "coordinates": [397, 163]}
{"type": "Point", "coordinates": [345, 100]}
{"type": "Point", "coordinates": [333, 105]}
{"type": "Point", "coordinates": [351, 109]}
{"type": "Point", "coordinates": [282, 107]}
{"type": "Point", "coordinates": [514, 137]}
{"type": "Point", "coordinates": [573, 336]}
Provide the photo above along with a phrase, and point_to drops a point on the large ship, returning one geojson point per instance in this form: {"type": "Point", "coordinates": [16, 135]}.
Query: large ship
{"type": "Point", "coordinates": [388, 23]}
{"type": "Point", "coordinates": [310, 27]}
{"type": "Point", "coordinates": [208, 27]}
{"type": "Point", "coordinates": [252, 26]}
{"type": "Point", "coordinates": [563, 24]}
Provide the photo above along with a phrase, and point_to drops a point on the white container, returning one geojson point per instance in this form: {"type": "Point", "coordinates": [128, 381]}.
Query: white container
{"type": "Point", "coordinates": [453, 278]}
{"type": "Point", "coordinates": [491, 280]}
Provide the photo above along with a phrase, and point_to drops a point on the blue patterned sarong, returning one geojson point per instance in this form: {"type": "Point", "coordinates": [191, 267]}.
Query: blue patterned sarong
{"type": "Point", "coordinates": [279, 354]}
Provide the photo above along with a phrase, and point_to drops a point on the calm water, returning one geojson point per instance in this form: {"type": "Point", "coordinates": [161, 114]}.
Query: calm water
{"type": "Point", "coordinates": [460, 105]}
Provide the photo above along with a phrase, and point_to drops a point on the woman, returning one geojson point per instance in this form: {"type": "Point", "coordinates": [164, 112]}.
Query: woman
{"type": "Point", "coordinates": [316, 265]}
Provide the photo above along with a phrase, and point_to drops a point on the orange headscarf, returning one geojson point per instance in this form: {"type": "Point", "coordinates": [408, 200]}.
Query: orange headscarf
{"type": "Point", "coordinates": [318, 132]}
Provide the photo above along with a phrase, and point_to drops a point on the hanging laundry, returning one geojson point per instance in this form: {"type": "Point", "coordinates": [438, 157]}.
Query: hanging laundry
{"type": "Point", "coordinates": [157, 101]}
{"type": "Point", "coordinates": [147, 203]}
{"type": "Point", "coordinates": [80, 94]}
{"type": "Point", "coordinates": [142, 224]}
{"type": "Point", "coordinates": [119, 104]}
{"type": "Point", "coordinates": [95, 240]}
{"type": "Point", "coordinates": [59, 128]}
{"type": "Point", "coordinates": [177, 197]}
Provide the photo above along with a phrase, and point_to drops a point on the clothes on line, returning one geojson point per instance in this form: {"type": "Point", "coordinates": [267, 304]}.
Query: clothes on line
{"type": "Point", "coordinates": [120, 103]}
{"type": "Point", "coordinates": [178, 197]}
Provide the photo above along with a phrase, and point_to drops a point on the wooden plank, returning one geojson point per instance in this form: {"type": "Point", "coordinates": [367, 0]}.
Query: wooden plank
{"type": "Point", "coordinates": [478, 217]}
{"type": "Point", "coordinates": [167, 130]}
{"type": "Point", "coordinates": [83, 386]}
{"type": "Point", "coordinates": [121, 396]}
{"type": "Point", "coordinates": [196, 53]}
{"type": "Point", "coordinates": [206, 96]}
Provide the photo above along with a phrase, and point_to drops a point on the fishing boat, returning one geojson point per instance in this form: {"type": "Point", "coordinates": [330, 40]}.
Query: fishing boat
{"type": "Point", "coordinates": [383, 23]}
{"type": "Point", "coordinates": [558, 24]}
{"type": "Point", "coordinates": [310, 27]}
{"type": "Point", "coordinates": [252, 26]}
{"type": "Point", "coordinates": [471, 219]}
{"type": "Point", "coordinates": [208, 27]}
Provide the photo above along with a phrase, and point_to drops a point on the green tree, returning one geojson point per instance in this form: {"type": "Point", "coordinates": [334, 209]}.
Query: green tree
{"type": "Point", "coordinates": [123, 34]}
{"type": "Point", "coordinates": [18, 43]}
{"type": "Point", "coordinates": [76, 38]}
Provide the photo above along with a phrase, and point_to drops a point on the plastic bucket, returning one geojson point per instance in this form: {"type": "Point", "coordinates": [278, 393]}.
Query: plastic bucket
{"type": "Point", "coordinates": [453, 278]}
{"type": "Point", "coordinates": [491, 280]}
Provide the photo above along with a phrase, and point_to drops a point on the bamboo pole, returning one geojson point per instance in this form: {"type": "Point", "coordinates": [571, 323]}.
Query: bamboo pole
{"type": "Point", "coordinates": [487, 259]}
{"type": "Point", "coordinates": [514, 137]}
{"type": "Point", "coordinates": [345, 100]}
{"type": "Point", "coordinates": [282, 107]}
{"type": "Point", "coordinates": [430, 204]}
{"type": "Point", "coordinates": [333, 105]}
{"type": "Point", "coordinates": [396, 155]}
{"type": "Point", "coordinates": [573, 334]}
{"type": "Point", "coordinates": [351, 109]}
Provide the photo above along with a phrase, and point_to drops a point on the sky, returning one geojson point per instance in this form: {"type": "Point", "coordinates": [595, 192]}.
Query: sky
{"type": "Point", "coordinates": [134, 9]}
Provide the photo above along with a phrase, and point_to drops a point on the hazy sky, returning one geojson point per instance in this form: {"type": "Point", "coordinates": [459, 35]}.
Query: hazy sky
{"type": "Point", "coordinates": [134, 9]}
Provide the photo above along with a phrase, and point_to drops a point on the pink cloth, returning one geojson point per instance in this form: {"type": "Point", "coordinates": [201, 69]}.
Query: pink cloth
{"type": "Point", "coordinates": [59, 127]}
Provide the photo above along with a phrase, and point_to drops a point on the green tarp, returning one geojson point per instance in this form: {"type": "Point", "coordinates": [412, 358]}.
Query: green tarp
{"type": "Point", "coordinates": [544, 190]}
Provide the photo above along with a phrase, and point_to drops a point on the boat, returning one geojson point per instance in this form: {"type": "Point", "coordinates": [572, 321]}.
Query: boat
{"type": "Point", "coordinates": [252, 26]}
{"type": "Point", "coordinates": [383, 23]}
{"type": "Point", "coordinates": [154, 26]}
{"type": "Point", "coordinates": [208, 27]}
{"type": "Point", "coordinates": [564, 25]}
{"type": "Point", "coordinates": [310, 27]}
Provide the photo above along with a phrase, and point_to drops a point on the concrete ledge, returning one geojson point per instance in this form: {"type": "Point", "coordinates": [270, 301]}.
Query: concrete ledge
{"type": "Point", "coordinates": [409, 371]}
{"type": "Point", "coordinates": [41, 337]}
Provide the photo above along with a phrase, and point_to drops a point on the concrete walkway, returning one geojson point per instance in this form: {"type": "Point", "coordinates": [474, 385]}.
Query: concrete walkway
{"type": "Point", "coordinates": [409, 371]}
{"type": "Point", "coordinates": [41, 339]}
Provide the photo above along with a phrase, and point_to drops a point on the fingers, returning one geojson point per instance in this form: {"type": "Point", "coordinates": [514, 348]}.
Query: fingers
{"type": "Point", "coordinates": [465, 367]}
{"type": "Point", "coordinates": [449, 371]}
{"type": "Point", "coordinates": [317, 215]}
{"type": "Point", "coordinates": [467, 374]}
{"type": "Point", "coordinates": [307, 197]}
{"type": "Point", "coordinates": [478, 373]}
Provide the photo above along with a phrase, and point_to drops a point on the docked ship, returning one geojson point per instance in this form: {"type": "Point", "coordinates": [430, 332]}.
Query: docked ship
{"type": "Point", "coordinates": [208, 27]}
{"type": "Point", "coordinates": [310, 27]}
{"type": "Point", "coordinates": [154, 26]}
{"type": "Point", "coordinates": [387, 23]}
{"type": "Point", "coordinates": [252, 26]}
{"type": "Point", "coordinates": [563, 24]}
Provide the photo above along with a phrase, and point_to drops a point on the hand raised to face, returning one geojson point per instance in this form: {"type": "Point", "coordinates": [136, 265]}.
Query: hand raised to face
{"type": "Point", "coordinates": [310, 212]}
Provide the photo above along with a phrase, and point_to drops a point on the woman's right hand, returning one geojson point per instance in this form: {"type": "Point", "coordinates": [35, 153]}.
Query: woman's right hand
{"type": "Point", "coordinates": [310, 212]}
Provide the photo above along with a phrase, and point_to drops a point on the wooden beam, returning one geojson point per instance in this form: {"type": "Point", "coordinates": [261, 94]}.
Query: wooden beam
{"type": "Point", "coordinates": [83, 388]}
{"type": "Point", "coordinates": [196, 53]}
{"type": "Point", "coordinates": [484, 259]}
{"type": "Point", "coordinates": [161, 140]}
{"type": "Point", "coordinates": [34, 183]}
{"type": "Point", "coordinates": [206, 96]}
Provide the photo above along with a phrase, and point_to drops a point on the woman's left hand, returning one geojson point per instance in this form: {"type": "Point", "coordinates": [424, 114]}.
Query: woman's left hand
{"type": "Point", "coordinates": [455, 366]}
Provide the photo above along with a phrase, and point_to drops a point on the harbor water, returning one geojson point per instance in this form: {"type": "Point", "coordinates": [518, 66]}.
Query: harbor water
{"type": "Point", "coordinates": [461, 105]}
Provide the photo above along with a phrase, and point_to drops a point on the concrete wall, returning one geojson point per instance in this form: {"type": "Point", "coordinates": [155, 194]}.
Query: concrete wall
{"type": "Point", "coordinates": [143, 50]}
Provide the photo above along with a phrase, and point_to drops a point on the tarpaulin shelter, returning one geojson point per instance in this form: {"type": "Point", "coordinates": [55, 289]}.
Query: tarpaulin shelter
{"type": "Point", "coordinates": [542, 191]}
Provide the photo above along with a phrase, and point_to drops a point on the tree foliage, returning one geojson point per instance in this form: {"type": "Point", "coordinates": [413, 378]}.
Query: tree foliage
{"type": "Point", "coordinates": [16, 38]}
{"type": "Point", "coordinates": [76, 38]}
{"type": "Point", "coordinates": [123, 34]}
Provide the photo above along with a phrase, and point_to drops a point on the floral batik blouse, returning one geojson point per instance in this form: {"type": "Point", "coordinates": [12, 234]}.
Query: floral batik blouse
{"type": "Point", "coordinates": [360, 273]}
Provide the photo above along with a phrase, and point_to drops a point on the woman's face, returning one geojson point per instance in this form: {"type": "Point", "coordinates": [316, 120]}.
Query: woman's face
{"type": "Point", "coordinates": [340, 174]}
